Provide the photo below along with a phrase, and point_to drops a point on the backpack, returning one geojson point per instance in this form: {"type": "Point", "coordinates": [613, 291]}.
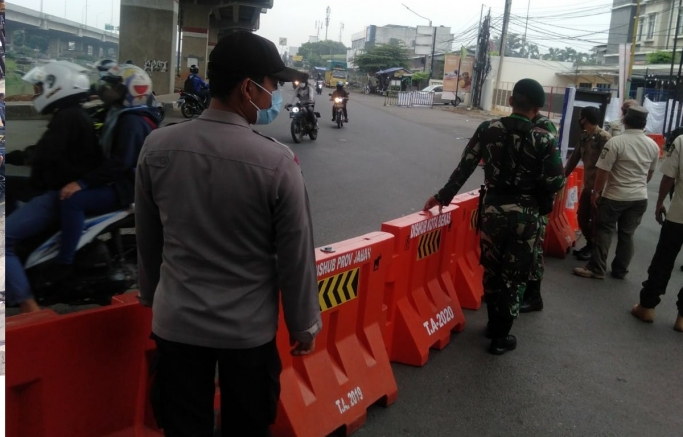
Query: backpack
{"type": "Point", "coordinates": [188, 87]}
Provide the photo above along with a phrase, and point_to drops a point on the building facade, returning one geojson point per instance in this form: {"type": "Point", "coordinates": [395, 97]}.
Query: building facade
{"type": "Point", "coordinates": [656, 29]}
{"type": "Point", "coordinates": [405, 34]}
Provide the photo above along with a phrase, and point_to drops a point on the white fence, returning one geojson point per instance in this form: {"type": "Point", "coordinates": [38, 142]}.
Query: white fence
{"type": "Point", "coordinates": [410, 99]}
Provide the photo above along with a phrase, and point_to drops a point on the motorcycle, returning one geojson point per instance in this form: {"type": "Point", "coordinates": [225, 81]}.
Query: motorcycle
{"type": "Point", "coordinates": [300, 125]}
{"type": "Point", "coordinates": [339, 110]}
{"type": "Point", "coordinates": [105, 263]}
{"type": "Point", "coordinates": [319, 86]}
{"type": "Point", "coordinates": [190, 104]}
{"type": "Point", "coordinates": [153, 103]}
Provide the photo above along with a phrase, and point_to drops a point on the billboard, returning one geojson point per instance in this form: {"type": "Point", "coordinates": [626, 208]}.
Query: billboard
{"type": "Point", "coordinates": [457, 75]}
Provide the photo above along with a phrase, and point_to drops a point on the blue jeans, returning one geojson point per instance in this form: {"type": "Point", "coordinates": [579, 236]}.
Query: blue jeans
{"type": "Point", "coordinates": [39, 214]}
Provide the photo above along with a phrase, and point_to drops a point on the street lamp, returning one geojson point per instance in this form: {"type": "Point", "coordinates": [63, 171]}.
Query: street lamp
{"type": "Point", "coordinates": [431, 65]}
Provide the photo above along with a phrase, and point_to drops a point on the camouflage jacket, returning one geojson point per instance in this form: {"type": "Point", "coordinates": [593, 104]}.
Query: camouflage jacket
{"type": "Point", "coordinates": [588, 150]}
{"type": "Point", "coordinates": [534, 165]}
{"type": "Point", "coordinates": [544, 123]}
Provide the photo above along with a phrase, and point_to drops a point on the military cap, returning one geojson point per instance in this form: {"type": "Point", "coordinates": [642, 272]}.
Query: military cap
{"type": "Point", "coordinates": [637, 113]}
{"type": "Point", "coordinates": [532, 90]}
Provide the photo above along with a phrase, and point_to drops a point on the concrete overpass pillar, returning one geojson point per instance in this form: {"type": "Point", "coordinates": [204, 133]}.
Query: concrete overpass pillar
{"type": "Point", "coordinates": [213, 35]}
{"type": "Point", "coordinates": [54, 47]}
{"type": "Point", "coordinates": [195, 38]}
{"type": "Point", "coordinates": [149, 38]}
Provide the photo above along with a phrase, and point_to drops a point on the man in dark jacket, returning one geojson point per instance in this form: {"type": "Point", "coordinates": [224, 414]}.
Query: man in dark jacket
{"type": "Point", "coordinates": [66, 152]}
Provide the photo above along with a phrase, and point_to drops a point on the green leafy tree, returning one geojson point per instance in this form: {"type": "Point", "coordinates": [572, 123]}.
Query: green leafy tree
{"type": "Point", "coordinates": [659, 57]}
{"type": "Point", "coordinates": [314, 53]}
{"type": "Point", "coordinates": [382, 56]}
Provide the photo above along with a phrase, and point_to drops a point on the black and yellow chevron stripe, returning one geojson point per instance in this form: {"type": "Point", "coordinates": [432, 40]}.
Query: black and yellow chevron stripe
{"type": "Point", "coordinates": [338, 289]}
{"type": "Point", "coordinates": [474, 217]}
{"type": "Point", "coordinates": [429, 244]}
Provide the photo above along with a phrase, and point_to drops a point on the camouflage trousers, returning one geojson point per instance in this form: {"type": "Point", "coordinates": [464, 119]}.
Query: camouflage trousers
{"type": "Point", "coordinates": [509, 241]}
{"type": "Point", "coordinates": [539, 264]}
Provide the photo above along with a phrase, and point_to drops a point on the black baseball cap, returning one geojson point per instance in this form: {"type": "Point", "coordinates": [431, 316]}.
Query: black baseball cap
{"type": "Point", "coordinates": [243, 54]}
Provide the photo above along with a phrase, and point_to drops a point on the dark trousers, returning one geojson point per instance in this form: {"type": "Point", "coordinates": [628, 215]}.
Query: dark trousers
{"type": "Point", "coordinates": [585, 216]}
{"type": "Point", "coordinates": [184, 386]}
{"type": "Point", "coordinates": [659, 273]}
{"type": "Point", "coordinates": [624, 218]}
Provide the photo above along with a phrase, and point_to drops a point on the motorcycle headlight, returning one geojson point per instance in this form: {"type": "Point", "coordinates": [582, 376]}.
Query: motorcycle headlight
{"type": "Point", "coordinates": [337, 100]}
{"type": "Point", "coordinates": [295, 109]}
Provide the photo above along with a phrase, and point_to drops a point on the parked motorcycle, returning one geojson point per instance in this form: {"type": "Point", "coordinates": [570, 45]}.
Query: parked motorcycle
{"type": "Point", "coordinates": [339, 110]}
{"type": "Point", "coordinates": [105, 264]}
{"type": "Point", "coordinates": [319, 86]}
{"type": "Point", "coordinates": [190, 104]}
{"type": "Point", "coordinates": [301, 126]}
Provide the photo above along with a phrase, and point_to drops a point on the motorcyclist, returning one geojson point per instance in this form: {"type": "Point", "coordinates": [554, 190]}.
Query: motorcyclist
{"type": "Point", "coordinates": [303, 95]}
{"type": "Point", "coordinates": [340, 92]}
{"type": "Point", "coordinates": [102, 67]}
{"type": "Point", "coordinates": [110, 186]}
{"type": "Point", "coordinates": [194, 84]}
{"type": "Point", "coordinates": [66, 152]}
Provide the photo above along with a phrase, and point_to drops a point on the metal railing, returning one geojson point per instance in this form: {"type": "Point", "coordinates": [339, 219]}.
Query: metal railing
{"type": "Point", "coordinates": [409, 99]}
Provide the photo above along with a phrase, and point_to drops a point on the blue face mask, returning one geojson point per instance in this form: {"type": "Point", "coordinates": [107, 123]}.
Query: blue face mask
{"type": "Point", "coordinates": [266, 116]}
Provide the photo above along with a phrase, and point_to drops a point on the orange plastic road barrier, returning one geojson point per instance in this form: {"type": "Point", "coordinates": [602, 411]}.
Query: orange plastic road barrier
{"type": "Point", "coordinates": [660, 140]}
{"type": "Point", "coordinates": [466, 270]}
{"type": "Point", "coordinates": [83, 374]}
{"type": "Point", "coordinates": [559, 235]}
{"type": "Point", "coordinates": [349, 370]}
{"type": "Point", "coordinates": [571, 203]}
{"type": "Point", "coordinates": [421, 301]}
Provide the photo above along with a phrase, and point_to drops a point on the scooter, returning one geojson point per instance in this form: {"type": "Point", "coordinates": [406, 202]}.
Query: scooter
{"type": "Point", "coordinates": [300, 125]}
{"type": "Point", "coordinates": [105, 263]}
{"type": "Point", "coordinates": [319, 86]}
{"type": "Point", "coordinates": [190, 104]}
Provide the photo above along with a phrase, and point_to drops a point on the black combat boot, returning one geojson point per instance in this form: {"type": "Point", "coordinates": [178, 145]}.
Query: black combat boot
{"type": "Point", "coordinates": [532, 298]}
{"type": "Point", "coordinates": [502, 340]}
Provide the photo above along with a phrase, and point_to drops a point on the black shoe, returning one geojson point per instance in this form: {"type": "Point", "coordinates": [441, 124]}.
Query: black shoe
{"type": "Point", "coordinates": [531, 305]}
{"type": "Point", "coordinates": [501, 345]}
{"type": "Point", "coordinates": [584, 254]}
{"type": "Point", "coordinates": [346, 120]}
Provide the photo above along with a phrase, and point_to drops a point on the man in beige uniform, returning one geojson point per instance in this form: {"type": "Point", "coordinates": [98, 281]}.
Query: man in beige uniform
{"type": "Point", "coordinates": [593, 139]}
{"type": "Point", "coordinates": [616, 127]}
{"type": "Point", "coordinates": [224, 232]}
{"type": "Point", "coordinates": [626, 165]}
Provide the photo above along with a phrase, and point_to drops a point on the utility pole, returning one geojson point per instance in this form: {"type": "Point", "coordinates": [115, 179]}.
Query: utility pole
{"type": "Point", "coordinates": [431, 66]}
{"type": "Point", "coordinates": [671, 74]}
{"type": "Point", "coordinates": [477, 67]}
{"type": "Point", "coordinates": [633, 53]}
{"type": "Point", "coordinates": [503, 41]}
{"type": "Point", "coordinates": [526, 24]}
{"type": "Point", "coordinates": [341, 29]}
{"type": "Point", "coordinates": [327, 21]}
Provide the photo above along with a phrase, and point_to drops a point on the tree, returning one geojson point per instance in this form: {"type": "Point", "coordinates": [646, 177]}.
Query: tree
{"type": "Point", "coordinates": [659, 57]}
{"type": "Point", "coordinates": [382, 56]}
{"type": "Point", "coordinates": [313, 52]}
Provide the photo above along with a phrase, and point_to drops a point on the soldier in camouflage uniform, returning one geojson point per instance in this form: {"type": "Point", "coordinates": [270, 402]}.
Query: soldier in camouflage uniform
{"type": "Point", "coordinates": [523, 169]}
{"type": "Point", "coordinates": [532, 294]}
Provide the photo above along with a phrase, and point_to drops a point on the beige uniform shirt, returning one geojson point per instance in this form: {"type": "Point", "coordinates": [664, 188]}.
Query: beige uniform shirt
{"type": "Point", "coordinates": [588, 150]}
{"type": "Point", "coordinates": [628, 158]}
{"type": "Point", "coordinates": [223, 231]}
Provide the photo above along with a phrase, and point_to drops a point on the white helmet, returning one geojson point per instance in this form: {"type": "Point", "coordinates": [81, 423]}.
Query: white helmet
{"type": "Point", "coordinates": [56, 81]}
{"type": "Point", "coordinates": [135, 81]}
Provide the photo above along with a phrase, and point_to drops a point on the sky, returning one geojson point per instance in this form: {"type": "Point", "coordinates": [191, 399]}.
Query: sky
{"type": "Point", "coordinates": [580, 24]}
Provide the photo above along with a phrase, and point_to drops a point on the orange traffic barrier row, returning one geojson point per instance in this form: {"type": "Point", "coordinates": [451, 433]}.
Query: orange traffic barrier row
{"type": "Point", "coordinates": [332, 388]}
{"type": "Point", "coordinates": [422, 304]}
{"type": "Point", "coordinates": [560, 235]}
{"type": "Point", "coordinates": [661, 141]}
{"type": "Point", "coordinates": [466, 270]}
{"type": "Point", "coordinates": [571, 204]}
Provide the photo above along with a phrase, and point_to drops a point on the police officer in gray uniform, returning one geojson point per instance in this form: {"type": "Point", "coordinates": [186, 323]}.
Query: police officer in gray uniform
{"type": "Point", "coordinates": [224, 232]}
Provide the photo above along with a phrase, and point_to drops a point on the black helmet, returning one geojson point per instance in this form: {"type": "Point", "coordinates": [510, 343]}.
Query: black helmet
{"type": "Point", "coordinates": [194, 69]}
{"type": "Point", "coordinates": [130, 62]}
{"type": "Point", "coordinates": [340, 86]}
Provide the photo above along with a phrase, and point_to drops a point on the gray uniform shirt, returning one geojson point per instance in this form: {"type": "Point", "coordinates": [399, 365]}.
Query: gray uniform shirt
{"type": "Point", "coordinates": [223, 223]}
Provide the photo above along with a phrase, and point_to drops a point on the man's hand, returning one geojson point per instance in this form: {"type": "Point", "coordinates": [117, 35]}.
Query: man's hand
{"type": "Point", "coordinates": [69, 190]}
{"type": "Point", "coordinates": [302, 348]}
{"type": "Point", "coordinates": [595, 197]}
{"type": "Point", "coordinates": [431, 203]}
{"type": "Point", "coordinates": [660, 213]}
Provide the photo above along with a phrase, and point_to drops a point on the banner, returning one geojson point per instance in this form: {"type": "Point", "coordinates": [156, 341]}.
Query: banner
{"type": "Point", "coordinates": [458, 75]}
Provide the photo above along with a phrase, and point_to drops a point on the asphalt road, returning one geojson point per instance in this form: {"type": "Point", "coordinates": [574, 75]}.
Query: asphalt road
{"type": "Point", "coordinates": [583, 367]}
